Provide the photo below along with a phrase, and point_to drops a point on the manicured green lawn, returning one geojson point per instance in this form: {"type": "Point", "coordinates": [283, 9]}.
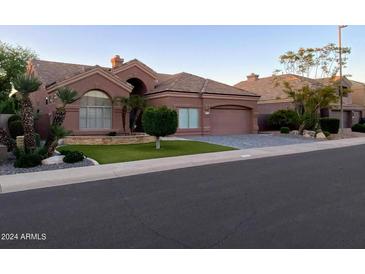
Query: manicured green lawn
{"type": "Point", "coordinates": [106, 154]}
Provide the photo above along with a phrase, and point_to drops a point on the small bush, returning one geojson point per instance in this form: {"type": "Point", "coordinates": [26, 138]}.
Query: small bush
{"type": "Point", "coordinates": [358, 128]}
{"type": "Point", "coordinates": [26, 160]}
{"type": "Point", "coordinates": [331, 125]}
{"type": "Point", "coordinates": [14, 117]}
{"type": "Point", "coordinates": [16, 129]}
{"type": "Point", "coordinates": [284, 118]}
{"type": "Point", "coordinates": [37, 139]}
{"type": "Point", "coordinates": [284, 130]}
{"type": "Point", "coordinates": [326, 133]}
{"type": "Point", "coordinates": [73, 157]}
{"type": "Point", "coordinates": [112, 133]}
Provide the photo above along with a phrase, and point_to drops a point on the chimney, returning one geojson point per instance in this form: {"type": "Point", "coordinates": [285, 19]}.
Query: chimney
{"type": "Point", "coordinates": [252, 77]}
{"type": "Point", "coordinates": [116, 61]}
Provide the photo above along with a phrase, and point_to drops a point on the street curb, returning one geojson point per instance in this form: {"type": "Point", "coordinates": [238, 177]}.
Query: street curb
{"type": "Point", "coordinates": [43, 179]}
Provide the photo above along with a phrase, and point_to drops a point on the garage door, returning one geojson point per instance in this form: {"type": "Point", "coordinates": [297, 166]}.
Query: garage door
{"type": "Point", "coordinates": [230, 121]}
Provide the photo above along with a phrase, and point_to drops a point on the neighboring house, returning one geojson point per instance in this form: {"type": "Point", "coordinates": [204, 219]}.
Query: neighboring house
{"type": "Point", "coordinates": [358, 93]}
{"type": "Point", "coordinates": [273, 97]}
{"type": "Point", "coordinates": [204, 106]}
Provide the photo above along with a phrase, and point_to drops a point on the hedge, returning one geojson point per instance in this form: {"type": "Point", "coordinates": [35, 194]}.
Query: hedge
{"type": "Point", "coordinates": [331, 125]}
{"type": "Point", "coordinates": [284, 118]}
{"type": "Point", "coordinates": [358, 128]}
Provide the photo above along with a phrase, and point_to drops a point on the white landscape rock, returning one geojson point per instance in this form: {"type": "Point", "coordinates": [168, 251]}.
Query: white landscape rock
{"type": "Point", "coordinates": [309, 133]}
{"type": "Point", "coordinates": [320, 135]}
{"type": "Point", "coordinates": [294, 132]}
{"type": "Point", "coordinates": [58, 159]}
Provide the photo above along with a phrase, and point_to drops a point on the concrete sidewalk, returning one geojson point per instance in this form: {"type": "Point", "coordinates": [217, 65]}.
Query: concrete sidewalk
{"type": "Point", "coordinates": [26, 181]}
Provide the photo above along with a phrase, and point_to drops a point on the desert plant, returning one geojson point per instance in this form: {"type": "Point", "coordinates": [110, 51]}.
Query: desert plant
{"type": "Point", "coordinates": [66, 96]}
{"type": "Point", "coordinates": [331, 125]}
{"type": "Point", "coordinates": [159, 122]}
{"type": "Point", "coordinates": [26, 160]}
{"type": "Point", "coordinates": [9, 105]}
{"type": "Point", "coordinates": [58, 132]}
{"type": "Point", "coordinates": [16, 129]}
{"type": "Point", "coordinates": [25, 84]}
{"type": "Point", "coordinates": [284, 118]}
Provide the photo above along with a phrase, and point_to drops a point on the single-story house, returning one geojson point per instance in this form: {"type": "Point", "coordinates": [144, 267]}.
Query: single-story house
{"type": "Point", "coordinates": [204, 106]}
{"type": "Point", "coordinates": [273, 97]}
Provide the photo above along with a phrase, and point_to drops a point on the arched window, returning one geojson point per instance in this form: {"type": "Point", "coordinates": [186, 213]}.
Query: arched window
{"type": "Point", "coordinates": [95, 110]}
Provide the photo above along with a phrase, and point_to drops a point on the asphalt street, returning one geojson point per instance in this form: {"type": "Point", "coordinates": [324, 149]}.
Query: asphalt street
{"type": "Point", "coordinates": [308, 200]}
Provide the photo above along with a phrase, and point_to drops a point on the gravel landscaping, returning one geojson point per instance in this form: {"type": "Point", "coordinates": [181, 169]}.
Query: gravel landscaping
{"type": "Point", "coordinates": [253, 140]}
{"type": "Point", "coordinates": [7, 167]}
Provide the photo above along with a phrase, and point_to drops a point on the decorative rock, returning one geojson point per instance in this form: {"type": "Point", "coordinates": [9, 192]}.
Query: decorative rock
{"type": "Point", "coordinates": [294, 132]}
{"type": "Point", "coordinates": [306, 135]}
{"type": "Point", "coordinates": [58, 159]}
{"type": "Point", "coordinates": [320, 135]}
{"type": "Point", "coordinates": [3, 153]}
{"type": "Point", "coordinates": [310, 133]}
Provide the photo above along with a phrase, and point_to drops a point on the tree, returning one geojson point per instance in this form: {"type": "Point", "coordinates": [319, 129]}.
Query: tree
{"type": "Point", "coordinates": [159, 122]}
{"type": "Point", "coordinates": [309, 101]}
{"type": "Point", "coordinates": [124, 103]}
{"type": "Point", "coordinates": [314, 62]}
{"type": "Point", "coordinates": [136, 104]}
{"type": "Point", "coordinates": [13, 62]}
{"type": "Point", "coordinates": [66, 96]}
{"type": "Point", "coordinates": [25, 84]}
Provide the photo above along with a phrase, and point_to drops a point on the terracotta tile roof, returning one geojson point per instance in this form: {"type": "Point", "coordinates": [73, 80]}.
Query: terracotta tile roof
{"type": "Point", "coordinates": [192, 83]}
{"type": "Point", "coordinates": [272, 88]}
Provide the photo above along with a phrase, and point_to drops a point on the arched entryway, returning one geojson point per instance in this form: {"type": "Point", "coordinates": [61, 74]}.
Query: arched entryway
{"type": "Point", "coordinates": [139, 89]}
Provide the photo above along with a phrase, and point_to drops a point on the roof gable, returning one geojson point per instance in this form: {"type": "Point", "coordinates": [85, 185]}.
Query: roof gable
{"type": "Point", "coordinates": [136, 63]}
{"type": "Point", "coordinates": [95, 70]}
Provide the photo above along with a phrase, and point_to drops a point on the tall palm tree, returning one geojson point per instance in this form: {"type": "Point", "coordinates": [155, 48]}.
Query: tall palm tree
{"type": "Point", "coordinates": [137, 104]}
{"type": "Point", "coordinates": [25, 84]}
{"type": "Point", "coordinates": [124, 103]}
{"type": "Point", "coordinates": [66, 96]}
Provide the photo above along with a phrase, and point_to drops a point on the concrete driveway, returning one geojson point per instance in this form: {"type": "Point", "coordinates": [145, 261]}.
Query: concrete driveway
{"type": "Point", "coordinates": [252, 140]}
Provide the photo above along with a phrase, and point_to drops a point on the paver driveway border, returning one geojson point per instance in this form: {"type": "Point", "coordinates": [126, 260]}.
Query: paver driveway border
{"type": "Point", "coordinates": [26, 181]}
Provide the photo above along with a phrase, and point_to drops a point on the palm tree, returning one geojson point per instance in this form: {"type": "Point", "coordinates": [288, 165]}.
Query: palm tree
{"type": "Point", "coordinates": [137, 104]}
{"type": "Point", "coordinates": [58, 132]}
{"type": "Point", "coordinates": [66, 96]}
{"type": "Point", "coordinates": [124, 103]}
{"type": "Point", "coordinates": [25, 84]}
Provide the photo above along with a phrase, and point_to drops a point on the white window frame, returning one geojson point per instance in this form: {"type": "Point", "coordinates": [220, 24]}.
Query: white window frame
{"type": "Point", "coordinates": [188, 118]}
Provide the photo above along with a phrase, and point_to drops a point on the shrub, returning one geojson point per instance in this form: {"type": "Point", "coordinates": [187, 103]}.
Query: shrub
{"type": "Point", "coordinates": [26, 160]}
{"type": "Point", "coordinates": [326, 133]}
{"type": "Point", "coordinates": [358, 128]}
{"type": "Point", "coordinates": [16, 129]}
{"type": "Point", "coordinates": [284, 130]}
{"type": "Point", "coordinates": [37, 139]}
{"type": "Point", "coordinates": [8, 106]}
{"type": "Point", "coordinates": [14, 117]}
{"type": "Point", "coordinates": [309, 120]}
{"type": "Point", "coordinates": [362, 120]}
{"type": "Point", "coordinates": [159, 122]}
{"type": "Point", "coordinates": [331, 125]}
{"type": "Point", "coordinates": [284, 118]}
{"type": "Point", "coordinates": [73, 157]}
{"type": "Point", "coordinates": [112, 133]}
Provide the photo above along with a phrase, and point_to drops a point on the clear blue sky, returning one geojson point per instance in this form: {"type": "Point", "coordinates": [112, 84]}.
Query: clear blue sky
{"type": "Point", "coordinates": [223, 53]}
